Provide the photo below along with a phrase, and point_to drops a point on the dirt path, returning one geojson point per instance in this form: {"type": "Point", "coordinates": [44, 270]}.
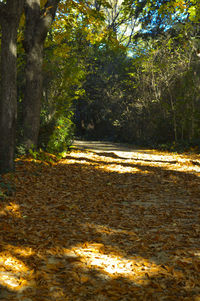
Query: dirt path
{"type": "Point", "coordinates": [110, 147]}
{"type": "Point", "coordinates": [107, 222]}
{"type": "Point", "coordinates": [127, 151]}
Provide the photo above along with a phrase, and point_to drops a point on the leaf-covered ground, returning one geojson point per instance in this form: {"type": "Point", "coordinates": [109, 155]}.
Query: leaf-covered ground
{"type": "Point", "coordinates": [102, 226]}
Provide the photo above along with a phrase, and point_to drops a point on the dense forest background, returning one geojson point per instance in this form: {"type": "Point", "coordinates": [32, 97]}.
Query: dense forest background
{"type": "Point", "coordinates": [115, 70]}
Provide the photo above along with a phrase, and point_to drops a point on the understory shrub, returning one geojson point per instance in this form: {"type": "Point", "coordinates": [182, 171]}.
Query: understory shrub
{"type": "Point", "coordinates": [62, 135]}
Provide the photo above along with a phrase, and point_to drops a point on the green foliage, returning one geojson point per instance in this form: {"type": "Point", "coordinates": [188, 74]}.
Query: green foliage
{"type": "Point", "coordinates": [34, 154]}
{"type": "Point", "coordinates": [180, 147]}
{"type": "Point", "coordinates": [2, 195]}
{"type": "Point", "coordinates": [150, 97]}
{"type": "Point", "coordinates": [20, 150]}
{"type": "Point", "coordinates": [133, 86]}
{"type": "Point", "coordinates": [42, 156]}
{"type": "Point", "coordinates": [62, 135]}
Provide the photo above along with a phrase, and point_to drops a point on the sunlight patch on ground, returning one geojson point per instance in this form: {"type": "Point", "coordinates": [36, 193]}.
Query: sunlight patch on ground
{"type": "Point", "coordinates": [13, 272]}
{"type": "Point", "coordinates": [112, 164]}
{"type": "Point", "coordinates": [92, 257]}
{"type": "Point", "coordinates": [197, 254]}
{"type": "Point", "coordinates": [74, 161]}
{"type": "Point", "coordinates": [108, 167]}
{"type": "Point", "coordinates": [79, 154]}
{"type": "Point", "coordinates": [9, 262]}
{"type": "Point", "coordinates": [114, 161]}
{"type": "Point", "coordinates": [120, 168]}
{"type": "Point", "coordinates": [9, 280]}
{"type": "Point", "coordinates": [25, 251]}
{"type": "Point", "coordinates": [13, 209]}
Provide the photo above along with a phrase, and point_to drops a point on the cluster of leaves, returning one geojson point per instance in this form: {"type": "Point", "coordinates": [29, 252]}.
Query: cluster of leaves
{"type": "Point", "coordinates": [102, 226]}
{"type": "Point", "coordinates": [62, 137]}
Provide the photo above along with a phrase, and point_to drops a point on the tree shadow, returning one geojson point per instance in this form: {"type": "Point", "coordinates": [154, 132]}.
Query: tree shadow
{"type": "Point", "coordinates": [115, 156]}
{"type": "Point", "coordinates": [74, 224]}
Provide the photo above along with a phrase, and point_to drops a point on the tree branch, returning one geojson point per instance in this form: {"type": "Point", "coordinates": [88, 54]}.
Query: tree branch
{"type": "Point", "coordinates": [38, 22]}
{"type": "Point", "coordinates": [51, 7]}
{"type": "Point", "coordinates": [47, 17]}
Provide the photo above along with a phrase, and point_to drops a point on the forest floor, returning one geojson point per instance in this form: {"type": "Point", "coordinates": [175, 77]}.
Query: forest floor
{"type": "Point", "coordinates": [103, 223]}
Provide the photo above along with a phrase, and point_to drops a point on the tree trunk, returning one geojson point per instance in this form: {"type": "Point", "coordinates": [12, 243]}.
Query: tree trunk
{"type": "Point", "coordinates": [192, 120]}
{"type": "Point", "coordinates": [10, 14]}
{"type": "Point", "coordinates": [33, 95]}
{"type": "Point", "coordinates": [38, 23]}
{"type": "Point", "coordinates": [174, 115]}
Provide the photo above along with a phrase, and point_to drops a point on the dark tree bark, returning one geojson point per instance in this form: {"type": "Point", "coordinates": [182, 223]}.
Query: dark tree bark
{"type": "Point", "coordinates": [38, 23]}
{"type": "Point", "coordinates": [10, 13]}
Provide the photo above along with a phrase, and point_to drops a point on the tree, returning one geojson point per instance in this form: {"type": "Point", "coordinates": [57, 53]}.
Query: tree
{"type": "Point", "coordinates": [38, 23]}
{"type": "Point", "coordinates": [10, 13]}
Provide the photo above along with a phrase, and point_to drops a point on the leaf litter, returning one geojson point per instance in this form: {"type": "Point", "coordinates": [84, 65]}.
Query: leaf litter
{"type": "Point", "coordinates": [101, 226]}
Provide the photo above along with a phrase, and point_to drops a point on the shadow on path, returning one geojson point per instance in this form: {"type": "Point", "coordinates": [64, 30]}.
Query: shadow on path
{"type": "Point", "coordinates": [93, 231]}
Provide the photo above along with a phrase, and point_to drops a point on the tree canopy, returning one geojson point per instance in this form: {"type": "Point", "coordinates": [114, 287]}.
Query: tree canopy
{"type": "Point", "coordinates": [121, 70]}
